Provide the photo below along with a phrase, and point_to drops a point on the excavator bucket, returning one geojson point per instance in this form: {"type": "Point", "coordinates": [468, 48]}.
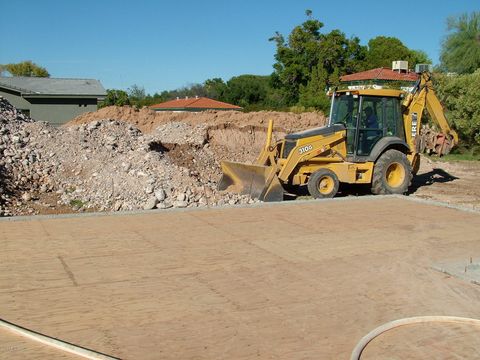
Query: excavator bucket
{"type": "Point", "coordinates": [258, 181]}
{"type": "Point", "coordinates": [432, 141]}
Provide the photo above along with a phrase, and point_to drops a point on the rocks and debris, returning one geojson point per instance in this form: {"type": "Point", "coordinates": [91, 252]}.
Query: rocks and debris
{"type": "Point", "coordinates": [105, 165]}
{"type": "Point", "coordinates": [20, 169]}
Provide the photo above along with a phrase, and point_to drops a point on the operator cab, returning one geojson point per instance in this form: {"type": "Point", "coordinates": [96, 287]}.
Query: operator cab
{"type": "Point", "coordinates": [367, 118]}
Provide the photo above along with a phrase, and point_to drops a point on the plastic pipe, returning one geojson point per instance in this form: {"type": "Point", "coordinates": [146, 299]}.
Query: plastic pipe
{"type": "Point", "coordinates": [56, 343]}
{"type": "Point", "coordinates": [357, 351]}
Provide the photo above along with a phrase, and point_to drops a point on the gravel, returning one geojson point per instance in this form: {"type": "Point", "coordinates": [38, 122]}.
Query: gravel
{"type": "Point", "coordinates": [104, 165]}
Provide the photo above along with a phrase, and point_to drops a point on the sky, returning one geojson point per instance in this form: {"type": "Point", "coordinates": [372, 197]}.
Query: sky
{"type": "Point", "coordinates": [164, 45]}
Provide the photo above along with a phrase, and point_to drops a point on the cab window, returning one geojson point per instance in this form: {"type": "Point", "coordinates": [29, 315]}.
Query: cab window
{"type": "Point", "coordinates": [371, 124]}
{"type": "Point", "coordinates": [345, 111]}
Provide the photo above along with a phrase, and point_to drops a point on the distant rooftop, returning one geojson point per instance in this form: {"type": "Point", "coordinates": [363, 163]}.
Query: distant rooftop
{"type": "Point", "coordinates": [53, 86]}
{"type": "Point", "coordinates": [380, 74]}
{"type": "Point", "coordinates": [201, 103]}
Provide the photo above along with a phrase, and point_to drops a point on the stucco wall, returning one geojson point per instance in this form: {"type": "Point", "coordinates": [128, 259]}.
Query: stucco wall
{"type": "Point", "coordinates": [17, 101]}
{"type": "Point", "coordinates": [56, 111]}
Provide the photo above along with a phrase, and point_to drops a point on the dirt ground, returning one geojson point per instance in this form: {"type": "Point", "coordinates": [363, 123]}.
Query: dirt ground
{"type": "Point", "coordinates": [450, 182]}
{"type": "Point", "coordinates": [297, 280]}
{"type": "Point", "coordinates": [147, 120]}
{"type": "Point", "coordinates": [239, 137]}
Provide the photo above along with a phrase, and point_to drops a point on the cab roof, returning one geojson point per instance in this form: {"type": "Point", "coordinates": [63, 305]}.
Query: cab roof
{"type": "Point", "coordinates": [372, 92]}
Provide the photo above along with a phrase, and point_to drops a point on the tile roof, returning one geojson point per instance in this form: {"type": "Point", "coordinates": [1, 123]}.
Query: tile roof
{"type": "Point", "coordinates": [380, 74]}
{"type": "Point", "coordinates": [53, 86]}
{"type": "Point", "coordinates": [195, 103]}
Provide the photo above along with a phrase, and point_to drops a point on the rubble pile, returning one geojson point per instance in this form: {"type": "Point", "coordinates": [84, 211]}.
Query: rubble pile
{"type": "Point", "coordinates": [113, 166]}
{"type": "Point", "coordinates": [105, 165]}
{"type": "Point", "coordinates": [21, 171]}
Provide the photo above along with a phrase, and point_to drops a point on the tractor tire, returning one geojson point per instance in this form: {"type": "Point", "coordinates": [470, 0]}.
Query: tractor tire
{"type": "Point", "coordinates": [323, 184]}
{"type": "Point", "coordinates": [392, 173]}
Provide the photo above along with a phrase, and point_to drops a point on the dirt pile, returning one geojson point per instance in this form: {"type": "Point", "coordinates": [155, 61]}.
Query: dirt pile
{"type": "Point", "coordinates": [231, 135]}
{"type": "Point", "coordinates": [106, 165]}
{"type": "Point", "coordinates": [21, 169]}
{"type": "Point", "coordinates": [148, 120]}
{"type": "Point", "coordinates": [111, 165]}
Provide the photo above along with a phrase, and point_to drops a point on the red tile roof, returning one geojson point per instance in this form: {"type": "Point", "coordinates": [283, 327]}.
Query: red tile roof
{"type": "Point", "coordinates": [380, 74]}
{"type": "Point", "coordinates": [195, 103]}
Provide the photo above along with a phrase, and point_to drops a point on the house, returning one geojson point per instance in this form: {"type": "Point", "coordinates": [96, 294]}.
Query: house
{"type": "Point", "coordinates": [51, 99]}
{"type": "Point", "coordinates": [194, 105]}
{"type": "Point", "coordinates": [379, 78]}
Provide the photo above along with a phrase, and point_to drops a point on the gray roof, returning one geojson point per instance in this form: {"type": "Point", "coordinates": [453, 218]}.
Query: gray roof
{"type": "Point", "coordinates": [53, 86]}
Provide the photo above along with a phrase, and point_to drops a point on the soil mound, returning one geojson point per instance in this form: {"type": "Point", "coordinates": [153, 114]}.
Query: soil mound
{"type": "Point", "coordinates": [147, 120]}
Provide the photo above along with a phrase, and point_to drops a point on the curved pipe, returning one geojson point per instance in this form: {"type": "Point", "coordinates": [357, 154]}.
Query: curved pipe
{"type": "Point", "coordinates": [357, 351]}
{"type": "Point", "coordinates": [58, 344]}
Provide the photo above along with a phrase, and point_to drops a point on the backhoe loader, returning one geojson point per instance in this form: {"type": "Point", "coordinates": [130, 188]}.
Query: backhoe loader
{"type": "Point", "coordinates": [372, 137]}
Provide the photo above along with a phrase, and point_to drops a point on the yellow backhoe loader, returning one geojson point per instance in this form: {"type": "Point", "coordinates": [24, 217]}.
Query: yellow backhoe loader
{"type": "Point", "coordinates": [373, 137]}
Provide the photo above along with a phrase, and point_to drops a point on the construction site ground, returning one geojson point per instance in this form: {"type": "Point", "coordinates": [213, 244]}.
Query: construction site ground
{"type": "Point", "coordinates": [296, 280]}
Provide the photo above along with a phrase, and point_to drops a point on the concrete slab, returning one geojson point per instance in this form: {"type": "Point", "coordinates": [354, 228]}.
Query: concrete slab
{"type": "Point", "coordinates": [304, 280]}
{"type": "Point", "coordinates": [466, 270]}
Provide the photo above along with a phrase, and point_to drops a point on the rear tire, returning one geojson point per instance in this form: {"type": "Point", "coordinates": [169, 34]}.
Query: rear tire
{"type": "Point", "coordinates": [323, 184]}
{"type": "Point", "coordinates": [392, 173]}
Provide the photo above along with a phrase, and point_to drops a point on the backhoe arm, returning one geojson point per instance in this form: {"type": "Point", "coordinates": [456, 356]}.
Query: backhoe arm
{"type": "Point", "coordinates": [435, 110]}
{"type": "Point", "coordinates": [422, 98]}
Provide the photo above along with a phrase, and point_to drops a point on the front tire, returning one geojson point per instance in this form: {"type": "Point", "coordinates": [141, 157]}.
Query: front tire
{"type": "Point", "coordinates": [392, 173]}
{"type": "Point", "coordinates": [323, 184]}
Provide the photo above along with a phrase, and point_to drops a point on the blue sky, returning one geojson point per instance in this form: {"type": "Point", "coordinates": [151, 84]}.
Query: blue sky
{"type": "Point", "coordinates": [164, 45]}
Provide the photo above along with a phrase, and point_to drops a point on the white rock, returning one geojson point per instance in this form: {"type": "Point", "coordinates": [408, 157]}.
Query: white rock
{"type": "Point", "coordinates": [150, 204]}
{"type": "Point", "coordinates": [164, 205]}
{"type": "Point", "coordinates": [160, 194]}
{"type": "Point", "coordinates": [180, 204]}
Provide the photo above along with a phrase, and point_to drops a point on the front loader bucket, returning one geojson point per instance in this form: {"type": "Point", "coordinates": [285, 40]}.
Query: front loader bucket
{"type": "Point", "coordinates": [258, 181]}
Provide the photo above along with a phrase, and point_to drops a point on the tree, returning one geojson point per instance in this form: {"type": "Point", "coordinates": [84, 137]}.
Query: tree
{"type": "Point", "coordinates": [215, 88]}
{"type": "Point", "coordinates": [245, 90]}
{"type": "Point", "coordinates": [420, 57]}
{"type": "Point", "coordinates": [116, 97]}
{"type": "Point", "coordinates": [459, 94]}
{"type": "Point", "coordinates": [25, 68]}
{"type": "Point", "coordinates": [296, 58]}
{"type": "Point", "coordinates": [313, 94]}
{"type": "Point", "coordinates": [461, 48]}
{"type": "Point", "coordinates": [308, 53]}
{"type": "Point", "coordinates": [382, 50]}
{"type": "Point", "coordinates": [136, 92]}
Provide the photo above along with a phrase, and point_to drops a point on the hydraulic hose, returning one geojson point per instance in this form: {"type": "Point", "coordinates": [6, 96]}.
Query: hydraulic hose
{"type": "Point", "coordinates": [56, 343]}
{"type": "Point", "coordinates": [357, 351]}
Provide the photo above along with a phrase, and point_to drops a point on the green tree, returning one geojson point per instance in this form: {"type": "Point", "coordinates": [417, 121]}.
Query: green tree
{"type": "Point", "coordinates": [137, 96]}
{"type": "Point", "coordinates": [459, 94]}
{"type": "Point", "coordinates": [25, 68]}
{"type": "Point", "coordinates": [313, 94]}
{"type": "Point", "coordinates": [136, 92]}
{"type": "Point", "coordinates": [382, 50]}
{"type": "Point", "coordinates": [246, 90]}
{"type": "Point", "coordinates": [461, 48]}
{"type": "Point", "coordinates": [308, 50]}
{"type": "Point", "coordinates": [215, 88]}
{"type": "Point", "coordinates": [191, 90]}
{"type": "Point", "coordinates": [296, 58]}
{"type": "Point", "coordinates": [116, 97]}
{"type": "Point", "coordinates": [419, 57]}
